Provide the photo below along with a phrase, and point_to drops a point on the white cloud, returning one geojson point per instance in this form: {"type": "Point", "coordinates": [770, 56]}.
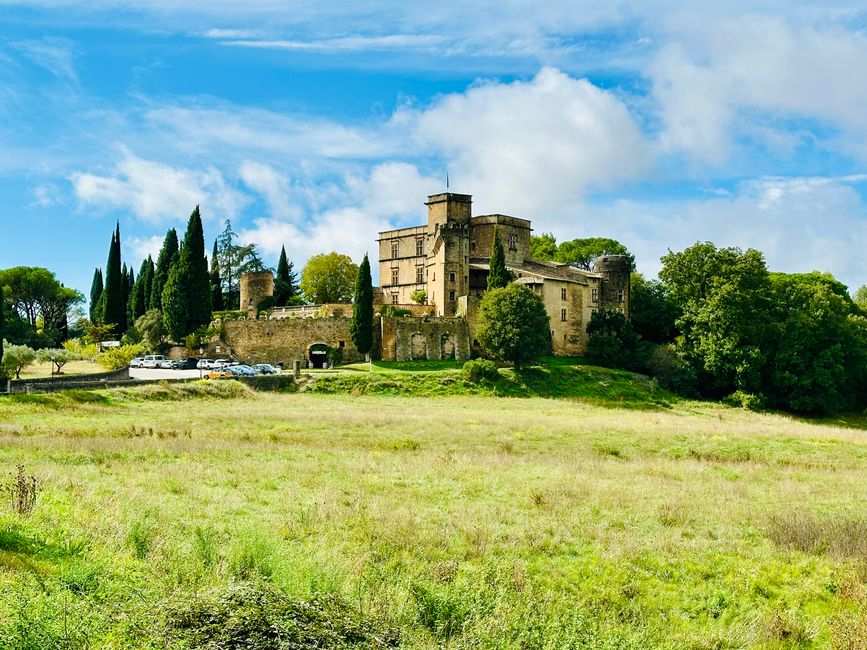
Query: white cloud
{"type": "Point", "coordinates": [47, 194]}
{"type": "Point", "coordinates": [141, 247]}
{"type": "Point", "coordinates": [273, 186]}
{"type": "Point", "coordinates": [53, 54]}
{"type": "Point", "coordinates": [537, 145]}
{"type": "Point", "coordinates": [346, 44]}
{"type": "Point", "coordinates": [156, 192]}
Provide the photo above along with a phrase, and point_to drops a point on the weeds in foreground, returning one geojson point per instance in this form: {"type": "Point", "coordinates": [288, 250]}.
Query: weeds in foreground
{"type": "Point", "coordinates": [22, 490]}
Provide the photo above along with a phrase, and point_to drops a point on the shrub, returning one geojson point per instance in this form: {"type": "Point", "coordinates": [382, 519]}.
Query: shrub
{"type": "Point", "coordinates": [117, 358]}
{"type": "Point", "coordinates": [389, 311]}
{"type": "Point", "coordinates": [749, 401]}
{"type": "Point", "coordinates": [480, 370]}
{"type": "Point", "coordinates": [672, 371]}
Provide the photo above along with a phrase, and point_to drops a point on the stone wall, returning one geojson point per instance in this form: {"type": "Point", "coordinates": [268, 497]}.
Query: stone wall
{"type": "Point", "coordinates": [67, 382]}
{"type": "Point", "coordinates": [255, 287]}
{"type": "Point", "coordinates": [289, 339]}
{"type": "Point", "coordinates": [407, 339]}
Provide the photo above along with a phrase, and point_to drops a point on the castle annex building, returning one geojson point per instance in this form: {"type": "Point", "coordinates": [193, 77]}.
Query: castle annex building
{"type": "Point", "coordinates": [449, 259]}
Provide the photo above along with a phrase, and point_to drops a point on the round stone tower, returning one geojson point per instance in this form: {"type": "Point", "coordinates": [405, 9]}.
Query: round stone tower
{"type": "Point", "coordinates": [616, 271]}
{"type": "Point", "coordinates": [255, 287]}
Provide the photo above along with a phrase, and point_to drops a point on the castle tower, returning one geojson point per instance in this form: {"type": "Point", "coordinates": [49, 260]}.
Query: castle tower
{"type": "Point", "coordinates": [255, 287]}
{"type": "Point", "coordinates": [616, 271]}
{"type": "Point", "coordinates": [448, 238]}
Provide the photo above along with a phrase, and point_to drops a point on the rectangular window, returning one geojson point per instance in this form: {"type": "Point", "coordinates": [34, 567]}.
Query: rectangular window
{"type": "Point", "coordinates": [394, 299]}
{"type": "Point", "coordinates": [473, 245]}
{"type": "Point", "coordinates": [419, 246]}
{"type": "Point", "coordinates": [394, 249]}
{"type": "Point", "coordinates": [563, 315]}
{"type": "Point", "coordinates": [394, 276]}
{"type": "Point", "coordinates": [419, 274]}
{"type": "Point", "coordinates": [451, 277]}
{"type": "Point", "coordinates": [451, 295]}
{"type": "Point", "coordinates": [620, 295]}
{"type": "Point", "coordinates": [595, 296]}
{"type": "Point", "coordinates": [513, 242]}
{"type": "Point", "coordinates": [341, 344]}
{"type": "Point", "coordinates": [562, 294]}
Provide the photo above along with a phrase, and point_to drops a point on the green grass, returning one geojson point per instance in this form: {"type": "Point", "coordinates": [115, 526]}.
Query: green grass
{"type": "Point", "coordinates": [211, 516]}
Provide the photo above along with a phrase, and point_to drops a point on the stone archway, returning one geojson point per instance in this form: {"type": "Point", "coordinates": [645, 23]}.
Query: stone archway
{"type": "Point", "coordinates": [447, 347]}
{"type": "Point", "coordinates": [317, 354]}
{"type": "Point", "coordinates": [418, 346]}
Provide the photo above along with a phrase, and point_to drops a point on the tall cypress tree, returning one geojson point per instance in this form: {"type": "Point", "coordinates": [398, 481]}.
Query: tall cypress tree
{"type": "Point", "coordinates": [499, 275]}
{"type": "Point", "coordinates": [124, 285]}
{"type": "Point", "coordinates": [195, 274]}
{"type": "Point", "coordinates": [96, 288]}
{"type": "Point", "coordinates": [112, 304]}
{"type": "Point", "coordinates": [138, 299]}
{"type": "Point", "coordinates": [176, 312]}
{"type": "Point", "coordinates": [130, 297]}
{"type": "Point", "coordinates": [167, 258]}
{"type": "Point", "coordinates": [361, 328]}
{"type": "Point", "coordinates": [216, 282]}
{"type": "Point", "coordinates": [285, 283]}
{"type": "Point", "coordinates": [149, 282]}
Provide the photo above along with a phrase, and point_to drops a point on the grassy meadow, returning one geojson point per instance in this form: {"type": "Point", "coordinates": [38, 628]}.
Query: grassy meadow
{"type": "Point", "coordinates": [353, 516]}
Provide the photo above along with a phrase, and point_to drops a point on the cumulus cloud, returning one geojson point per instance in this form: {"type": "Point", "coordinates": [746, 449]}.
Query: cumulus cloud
{"type": "Point", "coordinates": [141, 247]}
{"type": "Point", "coordinates": [273, 186]}
{"type": "Point", "coordinates": [156, 192]}
{"type": "Point", "coordinates": [537, 145]}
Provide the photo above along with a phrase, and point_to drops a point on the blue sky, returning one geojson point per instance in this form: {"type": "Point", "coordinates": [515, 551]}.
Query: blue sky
{"type": "Point", "coordinates": [315, 126]}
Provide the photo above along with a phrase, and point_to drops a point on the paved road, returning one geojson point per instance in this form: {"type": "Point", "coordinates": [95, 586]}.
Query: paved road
{"type": "Point", "coordinates": [156, 374]}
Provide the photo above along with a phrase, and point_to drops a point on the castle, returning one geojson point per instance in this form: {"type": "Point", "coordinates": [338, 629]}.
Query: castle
{"type": "Point", "coordinates": [448, 258]}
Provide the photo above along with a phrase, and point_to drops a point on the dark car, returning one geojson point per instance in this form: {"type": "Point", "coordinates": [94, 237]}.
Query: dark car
{"type": "Point", "coordinates": [185, 364]}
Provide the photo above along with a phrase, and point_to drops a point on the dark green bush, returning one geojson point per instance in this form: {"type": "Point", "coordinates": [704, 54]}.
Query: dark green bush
{"type": "Point", "coordinates": [480, 370]}
{"type": "Point", "coordinates": [672, 371]}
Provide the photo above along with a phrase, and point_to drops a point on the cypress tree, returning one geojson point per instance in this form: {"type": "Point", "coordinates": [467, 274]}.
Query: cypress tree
{"type": "Point", "coordinates": [498, 276]}
{"type": "Point", "coordinates": [138, 299]}
{"type": "Point", "coordinates": [124, 284]}
{"type": "Point", "coordinates": [130, 297]}
{"type": "Point", "coordinates": [176, 311]}
{"type": "Point", "coordinates": [216, 282]}
{"type": "Point", "coordinates": [361, 328]}
{"type": "Point", "coordinates": [194, 273]}
{"type": "Point", "coordinates": [149, 282]}
{"type": "Point", "coordinates": [96, 288]}
{"type": "Point", "coordinates": [284, 283]}
{"type": "Point", "coordinates": [112, 304]}
{"type": "Point", "coordinates": [167, 258]}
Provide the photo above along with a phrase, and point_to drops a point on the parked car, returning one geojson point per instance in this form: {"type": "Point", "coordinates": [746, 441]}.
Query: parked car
{"type": "Point", "coordinates": [218, 374]}
{"type": "Point", "coordinates": [241, 371]}
{"type": "Point", "coordinates": [136, 363]}
{"type": "Point", "coordinates": [205, 364]}
{"type": "Point", "coordinates": [266, 369]}
{"type": "Point", "coordinates": [185, 364]}
{"type": "Point", "coordinates": [221, 363]}
{"type": "Point", "coordinates": [152, 360]}
{"type": "Point", "coordinates": [165, 364]}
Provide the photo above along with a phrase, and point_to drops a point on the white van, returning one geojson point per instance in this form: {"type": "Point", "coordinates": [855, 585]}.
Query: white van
{"type": "Point", "coordinates": [153, 360]}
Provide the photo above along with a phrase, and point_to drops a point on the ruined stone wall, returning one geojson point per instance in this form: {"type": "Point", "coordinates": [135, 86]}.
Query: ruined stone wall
{"type": "Point", "coordinates": [255, 287]}
{"type": "Point", "coordinates": [407, 339]}
{"type": "Point", "coordinates": [288, 339]}
{"type": "Point", "coordinates": [615, 286]}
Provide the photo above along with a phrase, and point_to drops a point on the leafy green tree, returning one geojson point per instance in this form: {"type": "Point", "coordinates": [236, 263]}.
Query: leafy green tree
{"type": "Point", "coordinates": [612, 342]}
{"type": "Point", "coordinates": [152, 328]}
{"type": "Point", "coordinates": [361, 328]}
{"type": "Point", "coordinates": [112, 308]}
{"type": "Point", "coordinates": [582, 252]}
{"type": "Point", "coordinates": [543, 247]}
{"type": "Point", "coordinates": [138, 298]}
{"type": "Point", "coordinates": [38, 301]}
{"type": "Point", "coordinates": [286, 281]}
{"type": "Point", "coordinates": [329, 278]}
{"type": "Point", "coordinates": [165, 261]}
{"type": "Point", "coordinates": [818, 350]}
{"type": "Point", "coordinates": [724, 297]}
{"type": "Point", "coordinates": [513, 325]}
{"type": "Point", "coordinates": [194, 274]}
{"type": "Point", "coordinates": [16, 358]}
{"type": "Point", "coordinates": [96, 288]}
{"type": "Point", "coordinates": [58, 358]}
{"type": "Point", "coordinates": [216, 282]}
{"type": "Point", "coordinates": [235, 260]}
{"type": "Point", "coordinates": [860, 298]}
{"type": "Point", "coordinates": [499, 275]}
{"type": "Point", "coordinates": [652, 311]}
{"type": "Point", "coordinates": [419, 297]}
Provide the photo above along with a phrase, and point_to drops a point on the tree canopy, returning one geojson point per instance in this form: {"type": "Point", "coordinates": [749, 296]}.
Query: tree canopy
{"type": "Point", "coordinates": [39, 302]}
{"type": "Point", "coordinates": [577, 252]}
{"type": "Point", "coordinates": [513, 325]}
{"type": "Point", "coordinates": [329, 278]}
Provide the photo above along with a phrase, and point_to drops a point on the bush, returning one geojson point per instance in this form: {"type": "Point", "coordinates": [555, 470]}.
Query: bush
{"type": "Point", "coordinates": [480, 370]}
{"type": "Point", "coordinates": [672, 371]}
{"type": "Point", "coordinates": [389, 311]}
{"type": "Point", "coordinates": [749, 401]}
{"type": "Point", "coordinates": [117, 358]}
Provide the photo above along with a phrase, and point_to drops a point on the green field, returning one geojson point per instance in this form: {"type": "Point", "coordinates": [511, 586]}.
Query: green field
{"type": "Point", "coordinates": [351, 515]}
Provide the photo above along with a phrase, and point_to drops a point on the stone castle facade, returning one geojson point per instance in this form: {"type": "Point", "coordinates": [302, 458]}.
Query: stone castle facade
{"type": "Point", "coordinates": [449, 259]}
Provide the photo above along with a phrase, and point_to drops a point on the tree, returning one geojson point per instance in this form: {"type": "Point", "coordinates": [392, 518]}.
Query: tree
{"type": "Point", "coordinates": [513, 325]}
{"type": "Point", "coordinates": [235, 261]}
{"type": "Point", "coordinates": [149, 282]}
{"type": "Point", "coordinates": [361, 328]}
{"type": "Point", "coordinates": [96, 288]}
{"type": "Point", "coordinates": [860, 298]}
{"type": "Point", "coordinates": [612, 342]}
{"type": "Point", "coordinates": [285, 283]}
{"type": "Point", "coordinates": [175, 309]}
{"type": "Point", "coordinates": [112, 308]}
{"type": "Point", "coordinates": [57, 358]}
{"type": "Point", "coordinates": [193, 274]}
{"type": "Point", "coordinates": [419, 297]}
{"type": "Point", "coordinates": [543, 247]}
{"type": "Point", "coordinates": [138, 298]}
{"type": "Point", "coordinates": [130, 296]}
{"type": "Point", "coordinates": [39, 301]}
{"type": "Point", "coordinates": [151, 327]}
{"type": "Point", "coordinates": [724, 299]}
{"type": "Point", "coordinates": [652, 311]}
{"type": "Point", "coordinates": [499, 275]}
{"type": "Point", "coordinates": [165, 261]}
{"type": "Point", "coordinates": [17, 357]}
{"type": "Point", "coordinates": [581, 252]}
{"type": "Point", "coordinates": [216, 282]}
{"type": "Point", "coordinates": [329, 278]}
